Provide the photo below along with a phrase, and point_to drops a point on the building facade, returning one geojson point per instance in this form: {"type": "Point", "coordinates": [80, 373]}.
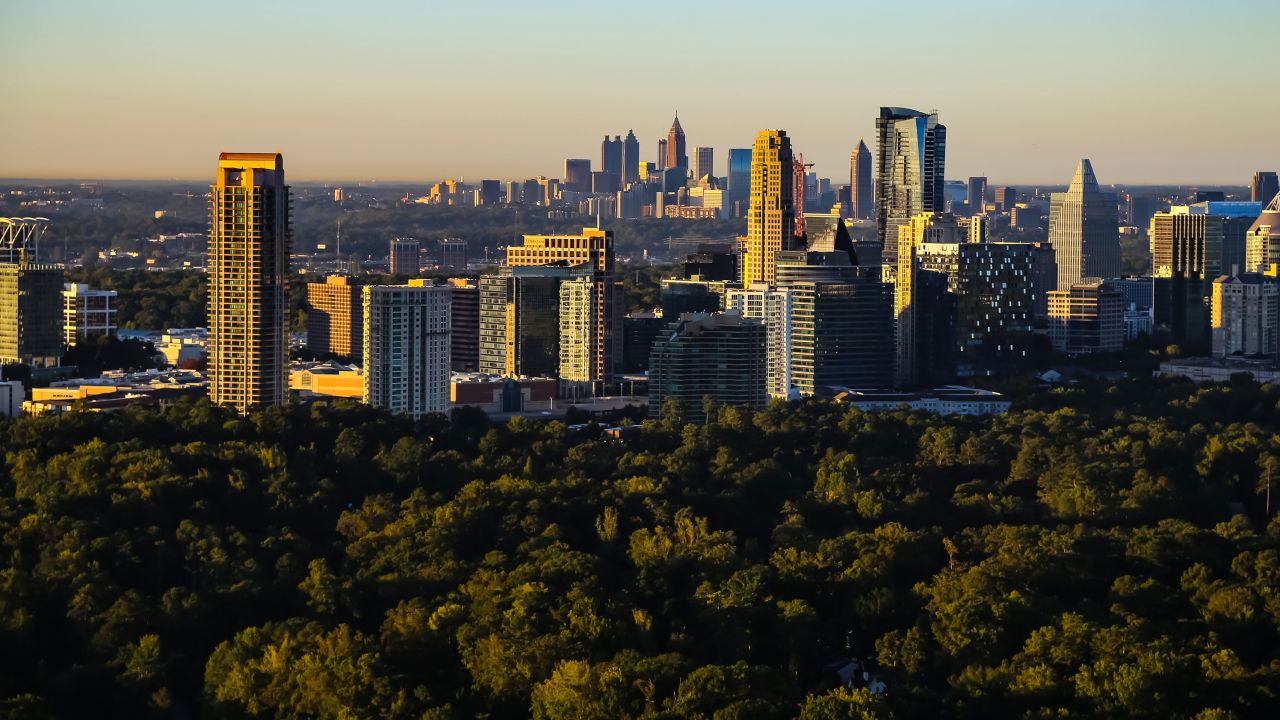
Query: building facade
{"type": "Point", "coordinates": [774, 307]}
{"type": "Point", "coordinates": [249, 234]}
{"type": "Point", "coordinates": [703, 163]}
{"type": "Point", "coordinates": [335, 317]}
{"type": "Point", "coordinates": [1084, 230]}
{"type": "Point", "coordinates": [1244, 315]}
{"type": "Point", "coordinates": [720, 356]}
{"type": "Point", "coordinates": [451, 255]}
{"type": "Point", "coordinates": [1087, 318]}
{"type": "Point", "coordinates": [464, 325]}
{"type": "Point", "coordinates": [406, 347]}
{"type": "Point", "coordinates": [404, 257]}
{"type": "Point", "coordinates": [1265, 186]}
{"type": "Point", "coordinates": [1262, 241]}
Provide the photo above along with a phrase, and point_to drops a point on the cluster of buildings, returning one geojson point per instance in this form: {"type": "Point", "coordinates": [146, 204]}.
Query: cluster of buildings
{"type": "Point", "coordinates": [805, 304]}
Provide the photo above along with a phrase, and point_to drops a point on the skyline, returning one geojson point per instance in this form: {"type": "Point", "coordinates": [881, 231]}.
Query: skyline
{"type": "Point", "coordinates": [402, 93]}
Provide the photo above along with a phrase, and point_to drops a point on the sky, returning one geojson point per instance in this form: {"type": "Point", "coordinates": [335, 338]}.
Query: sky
{"type": "Point", "coordinates": [1167, 92]}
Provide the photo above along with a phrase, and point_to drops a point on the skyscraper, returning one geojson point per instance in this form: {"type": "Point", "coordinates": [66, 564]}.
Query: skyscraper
{"type": "Point", "coordinates": [912, 354]}
{"type": "Point", "coordinates": [910, 161]}
{"type": "Point", "coordinates": [771, 217]}
{"type": "Point", "coordinates": [662, 154]}
{"type": "Point", "coordinates": [861, 191]}
{"type": "Point", "coordinates": [404, 257]}
{"type": "Point", "coordinates": [406, 347]}
{"type": "Point", "coordinates": [1006, 198]}
{"type": "Point", "coordinates": [1084, 230]}
{"type": "Point", "coordinates": [630, 159]}
{"type": "Point", "coordinates": [611, 155]}
{"type": "Point", "coordinates": [702, 163]}
{"type": "Point", "coordinates": [676, 155]}
{"type": "Point", "coordinates": [1265, 186]}
{"type": "Point", "coordinates": [577, 175]}
{"type": "Point", "coordinates": [1191, 245]}
{"type": "Point", "coordinates": [451, 254]}
{"type": "Point", "coordinates": [739, 178]}
{"type": "Point", "coordinates": [977, 197]}
{"type": "Point", "coordinates": [248, 288]}
{"type": "Point", "coordinates": [31, 306]}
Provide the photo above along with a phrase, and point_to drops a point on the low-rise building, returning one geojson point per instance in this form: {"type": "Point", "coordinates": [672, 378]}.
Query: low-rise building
{"type": "Point", "coordinates": [327, 379]}
{"type": "Point", "coordinates": [946, 400]}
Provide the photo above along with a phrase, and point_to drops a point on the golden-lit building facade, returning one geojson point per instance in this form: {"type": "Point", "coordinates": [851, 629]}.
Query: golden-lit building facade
{"type": "Point", "coordinates": [248, 281]}
{"type": "Point", "coordinates": [335, 317]}
{"type": "Point", "coordinates": [771, 215]}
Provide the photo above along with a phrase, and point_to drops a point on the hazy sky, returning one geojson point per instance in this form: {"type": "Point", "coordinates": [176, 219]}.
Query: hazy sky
{"type": "Point", "coordinates": [1166, 91]}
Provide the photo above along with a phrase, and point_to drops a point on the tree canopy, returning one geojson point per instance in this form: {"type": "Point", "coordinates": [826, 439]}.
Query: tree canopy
{"type": "Point", "coordinates": [1102, 551]}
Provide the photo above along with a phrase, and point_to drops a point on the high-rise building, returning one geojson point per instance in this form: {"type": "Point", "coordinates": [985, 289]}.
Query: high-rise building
{"type": "Point", "coordinates": [1006, 199]}
{"type": "Point", "coordinates": [662, 155]}
{"type": "Point", "coordinates": [1087, 318]}
{"type": "Point", "coordinates": [406, 347]}
{"type": "Point", "coordinates": [464, 325]}
{"type": "Point", "coordinates": [676, 155]}
{"type": "Point", "coordinates": [739, 178]}
{"type": "Point", "coordinates": [1265, 186]}
{"type": "Point", "coordinates": [31, 305]}
{"type": "Point", "coordinates": [611, 155]}
{"type": "Point", "coordinates": [772, 306]}
{"type": "Point", "coordinates": [630, 159]}
{"type": "Point", "coordinates": [520, 320]}
{"type": "Point", "coordinates": [910, 162]}
{"type": "Point", "coordinates": [404, 257]}
{"type": "Point", "coordinates": [451, 254]}
{"type": "Point", "coordinates": [703, 165]}
{"type": "Point", "coordinates": [977, 196]}
{"type": "Point", "coordinates": [693, 295]}
{"type": "Point", "coordinates": [1084, 230]}
{"type": "Point", "coordinates": [594, 249]}
{"type": "Point", "coordinates": [771, 217]}
{"type": "Point", "coordinates": [720, 356]}
{"type": "Point", "coordinates": [249, 233]}
{"type": "Point", "coordinates": [911, 352]}
{"type": "Point", "coordinates": [1191, 245]}
{"type": "Point", "coordinates": [1245, 315]}
{"type": "Point", "coordinates": [490, 192]}
{"type": "Point", "coordinates": [861, 190]}
{"type": "Point", "coordinates": [577, 175]}
{"type": "Point", "coordinates": [87, 313]}
{"type": "Point", "coordinates": [1262, 241]}
{"type": "Point", "coordinates": [839, 333]}
{"type": "Point", "coordinates": [335, 317]}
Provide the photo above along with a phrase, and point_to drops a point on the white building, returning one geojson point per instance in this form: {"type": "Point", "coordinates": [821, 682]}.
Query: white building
{"type": "Point", "coordinates": [774, 306]}
{"type": "Point", "coordinates": [406, 347]}
{"type": "Point", "coordinates": [1244, 313]}
{"type": "Point", "coordinates": [946, 400]}
{"type": "Point", "coordinates": [87, 313]}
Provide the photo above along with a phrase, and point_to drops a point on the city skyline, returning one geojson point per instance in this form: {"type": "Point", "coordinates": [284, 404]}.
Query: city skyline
{"type": "Point", "coordinates": [392, 93]}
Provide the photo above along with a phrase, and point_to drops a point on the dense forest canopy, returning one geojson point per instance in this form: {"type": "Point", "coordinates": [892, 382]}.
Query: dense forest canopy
{"type": "Point", "coordinates": [1103, 551]}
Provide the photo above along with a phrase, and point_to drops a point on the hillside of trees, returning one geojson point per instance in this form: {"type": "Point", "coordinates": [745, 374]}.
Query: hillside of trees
{"type": "Point", "coordinates": [1100, 552]}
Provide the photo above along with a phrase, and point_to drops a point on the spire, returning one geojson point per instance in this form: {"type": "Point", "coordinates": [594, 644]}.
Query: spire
{"type": "Point", "coordinates": [675, 125]}
{"type": "Point", "coordinates": [1084, 180]}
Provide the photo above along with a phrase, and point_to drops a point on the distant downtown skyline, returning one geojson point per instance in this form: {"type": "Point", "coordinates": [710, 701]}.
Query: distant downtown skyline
{"type": "Point", "coordinates": [414, 92]}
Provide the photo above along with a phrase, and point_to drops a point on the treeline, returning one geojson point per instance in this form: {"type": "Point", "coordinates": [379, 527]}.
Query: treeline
{"type": "Point", "coordinates": [1104, 551]}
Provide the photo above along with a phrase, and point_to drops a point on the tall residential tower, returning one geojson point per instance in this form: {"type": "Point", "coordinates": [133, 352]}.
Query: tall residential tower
{"type": "Point", "coordinates": [861, 192]}
{"type": "Point", "coordinates": [248, 286]}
